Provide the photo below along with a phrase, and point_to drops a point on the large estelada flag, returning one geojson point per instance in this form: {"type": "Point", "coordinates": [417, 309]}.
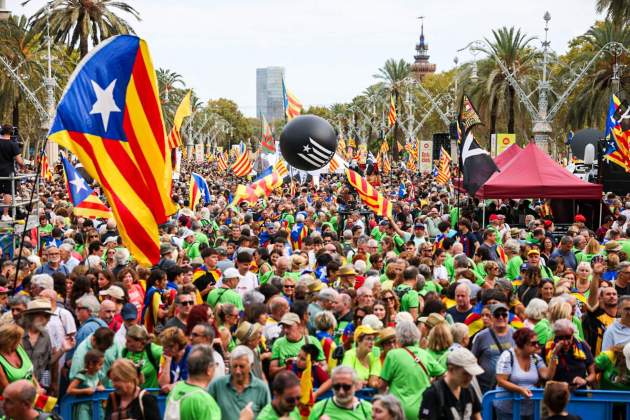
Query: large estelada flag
{"type": "Point", "coordinates": [380, 205]}
{"type": "Point", "coordinates": [85, 202]}
{"type": "Point", "coordinates": [476, 162]}
{"type": "Point", "coordinates": [198, 188]}
{"type": "Point", "coordinates": [267, 144]}
{"type": "Point", "coordinates": [110, 118]}
{"type": "Point", "coordinates": [292, 105]}
{"type": "Point", "coordinates": [183, 110]}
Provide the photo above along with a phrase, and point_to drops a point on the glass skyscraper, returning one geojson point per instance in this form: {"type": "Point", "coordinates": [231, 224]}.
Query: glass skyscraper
{"type": "Point", "coordinates": [269, 101]}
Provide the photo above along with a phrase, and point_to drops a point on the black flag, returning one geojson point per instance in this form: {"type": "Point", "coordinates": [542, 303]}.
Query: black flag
{"type": "Point", "coordinates": [476, 163]}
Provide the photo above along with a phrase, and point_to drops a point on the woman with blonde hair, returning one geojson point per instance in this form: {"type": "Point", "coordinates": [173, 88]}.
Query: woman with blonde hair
{"type": "Point", "coordinates": [592, 248]}
{"type": "Point", "coordinates": [128, 401]}
{"type": "Point", "coordinates": [439, 340]}
{"type": "Point", "coordinates": [558, 309]}
{"type": "Point", "coordinates": [14, 361]}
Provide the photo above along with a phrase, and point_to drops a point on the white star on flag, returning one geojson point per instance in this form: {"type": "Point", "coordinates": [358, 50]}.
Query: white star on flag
{"type": "Point", "coordinates": [79, 184]}
{"type": "Point", "coordinates": [105, 103]}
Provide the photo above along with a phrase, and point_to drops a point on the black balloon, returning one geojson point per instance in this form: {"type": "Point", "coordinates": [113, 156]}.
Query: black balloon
{"type": "Point", "coordinates": [308, 142]}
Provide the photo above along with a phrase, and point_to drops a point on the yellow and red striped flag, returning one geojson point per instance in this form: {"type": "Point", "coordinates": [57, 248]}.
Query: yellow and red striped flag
{"type": "Point", "coordinates": [110, 118]}
{"type": "Point", "coordinates": [411, 165]}
{"type": "Point", "coordinates": [222, 162]}
{"type": "Point", "coordinates": [281, 168]}
{"type": "Point", "coordinates": [267, 143]}
{"type": "Point", "coordinates": [400, 147]}
{"type": "Point", "coordinates": [341, 147]}
{"type": "Point", "coordinates": [384, 147]}
{"type": "Point", "coordinates": [391, 116]}
{"type": "Point", "coordinates": [243, 165]}
{"type": "Point", "coordinates": [45, 169]}
{"type": "Point", "coordinates": [335, 163]}
{"type": "Point", "coordinates": [380, 205]}
{"type": "Point", "coordinates": [292, 105]}
{"type": "Point", "coordinates": [444, 167]}
{"type": "Point", "coordinates": [387, 166]}
{"type": "Point", "coordinates": [352, 143]}
{"type": "Point", "coordinates": [261, 188]}
{"type": "Point", "coordinates": [183, 110]}
{"type": "Point", "coordinates": [306, 389]}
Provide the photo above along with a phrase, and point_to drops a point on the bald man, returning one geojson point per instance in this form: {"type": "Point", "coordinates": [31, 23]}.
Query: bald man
{"type": "Point", "coordinates": [18, 400]}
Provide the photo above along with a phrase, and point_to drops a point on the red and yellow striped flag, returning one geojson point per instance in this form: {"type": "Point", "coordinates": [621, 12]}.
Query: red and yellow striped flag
{"type": "Point", "coordinates": [110, 118]}
{"type": "Point", "coordinates": [387, 166]}
{"type": "Point", "coordinates": [292, 105]}
{"type": "Point", "coordinates": [183, 110]}
{"type": "Point", "coordinates": [341, 147]}
{"type": "Point", "coordinates": [391, 116]}
{"type": "Point", "coordinates": [384, 147]}
{"type": "Point", "coordinates": [369, 195]}
{"type": "Point", "coordinates": [222, 162]}
{"type": "Point", "coordinates": [306, 389]}
{"type": "Point", "coordinates": [281, 168]}
{"type": "Point", "coordinates": [444, 168]}
{"type": "Point", "coordinates": [243, 165]}
{"type": "Point", "coordinates": [335, 163]}
{"type": "Point", "coordinates": [45, 169]}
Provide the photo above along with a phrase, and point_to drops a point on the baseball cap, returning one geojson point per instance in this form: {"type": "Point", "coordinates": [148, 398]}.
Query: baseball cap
{"type": "Point", "coordinates": [289, 319]}
{"type": "Point", "coordinates": [493, 217]}
{"type": "Point", "coordinates": [113, 291]}
{"type": "Point", "coordinates": [496, 306]}
{"type": "Point", "coordinates": [533, 251]}
{"type": "Point", "coordinates": [363, 330]}
{"type": "Point", "coordinates": [419, 226]}
{"type": "Point", "coordinates": [129, 312]}
{"type": "Point", "coordinates": [230, 273]}
{"type": "Point", "coordinates": [579, 218]}
{"type": "Point", "coordinates": [463, 357]}
{"type": "Point", "coordinates": [384, 222]}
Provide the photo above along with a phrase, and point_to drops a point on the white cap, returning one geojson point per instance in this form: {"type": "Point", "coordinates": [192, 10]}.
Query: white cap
{"type": "Point", "coordinates": [230, 273]}
{"type": "Point", "coordinates": [463, 357]}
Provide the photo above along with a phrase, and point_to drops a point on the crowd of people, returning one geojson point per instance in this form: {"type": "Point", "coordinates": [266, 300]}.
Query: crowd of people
{"type": "Point", "coordinates": [413, 316]}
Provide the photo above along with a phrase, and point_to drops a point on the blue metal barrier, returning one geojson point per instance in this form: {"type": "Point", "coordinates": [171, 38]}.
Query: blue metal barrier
{"type": "Point", "coordinates": [590, 405]}
{"type": "Point", "coordinates": [66, 404]}
{"type": "Point", "coordinates": [366, 394]}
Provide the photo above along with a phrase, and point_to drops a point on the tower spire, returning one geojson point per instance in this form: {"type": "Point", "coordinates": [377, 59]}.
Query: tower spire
{"type": "Point", "coordinates": [421, 66]}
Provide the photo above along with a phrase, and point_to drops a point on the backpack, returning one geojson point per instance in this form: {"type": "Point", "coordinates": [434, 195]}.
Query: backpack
{"type": "Point", "coordinates": [173, 406]}
{"type": "Point", "coordinates": [401, 291]}
{"type": "Point", "coordinates": [150, 356]}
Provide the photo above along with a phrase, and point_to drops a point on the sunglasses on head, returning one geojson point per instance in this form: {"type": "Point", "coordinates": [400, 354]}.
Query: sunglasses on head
{"type": "Point", "coordinates": [500, 314]}
{"type": "Point", "coordinates": [346, 387]}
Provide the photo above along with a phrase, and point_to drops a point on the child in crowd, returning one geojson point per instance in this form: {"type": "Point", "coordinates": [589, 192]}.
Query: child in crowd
{"type": "Point", "coordinates": [86, 383]}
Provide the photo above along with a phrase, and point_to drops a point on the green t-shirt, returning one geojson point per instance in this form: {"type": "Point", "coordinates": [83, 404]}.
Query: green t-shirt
{"type": "Point", "coordinates": [439, 356]}
{"type": "Point", "coordinates": [192, 250]}
{"type": "Point", "coordinates": [606, 362]}
{"type": "Point", "coordinates": [284, 349]}
{"type": "Point", "coordinates": [409, 299]}
{"type": "Point", "coordinates": [195, 402]}
{"type": "Point", "coordinates": [224, 295]}
{"type": "Point", "coordinates": [269, 413]}
{"type": "Point", "coordinates": [328, 407]}
{"type": "Point", "coordinates": [513, 268]}
{"type": "Point", "coordinates": [407, 379]}
{"type": "Point", "coordinates": [149, 371]}
{"type": "Point", "coordinates": [583, 257]}
{"type": "Point", "coordinates": [364, 373]}
{"type": "Point", "coordinates": [430, 286]}
{"type": "Point", "coordinates": [377, 234]}
{"type": "Point", "coordinates": [449, 264]}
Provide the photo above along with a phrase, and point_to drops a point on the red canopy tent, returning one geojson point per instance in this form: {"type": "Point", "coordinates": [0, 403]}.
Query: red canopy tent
{"type": "Point", "coordinates": [507, 155]}
{"type": "Point", "coordinates": [533, 174]}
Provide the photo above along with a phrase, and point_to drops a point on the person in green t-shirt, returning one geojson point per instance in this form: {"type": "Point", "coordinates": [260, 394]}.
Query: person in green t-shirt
{"type": "Point", "coordinates": [408, 370]}
{"type": "Point", "coordinates": [289, 346]}
{"type": "Point", "coordinates": [408, 296]}
{"type": "Point", "coordinates": [143, 354]}
{"type": "Point", "coordinates": [344, 404]}
{"type": "Point", "coordinates": [613, 364]}
{"type": "Point", "coordinates": [191, 396]}
{"type": "Point", "coordinates": [286, 395]}
{"type": "Point", "coordinates": [226, 293]}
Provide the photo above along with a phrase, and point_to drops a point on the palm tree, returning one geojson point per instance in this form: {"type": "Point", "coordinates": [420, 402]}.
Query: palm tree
{"type": "Point", "coordinates": [76, 22]}
{"type": "Point", "coordinates": [393, 74]}
{"type": "Point", "coordinates": [20, 46]}
{"type": "Point", "coordinates": [511, 46]}
{"type": "Point", "coordinates": [590, 100]}
{"type": "Point", "coordinates": [618, 11]}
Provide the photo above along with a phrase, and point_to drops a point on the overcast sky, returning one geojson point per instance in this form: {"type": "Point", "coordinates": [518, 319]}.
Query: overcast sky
{"type": "Point", "coordinates": [329, 48]}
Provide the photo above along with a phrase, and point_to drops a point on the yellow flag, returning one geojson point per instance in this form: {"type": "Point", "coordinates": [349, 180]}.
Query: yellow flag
{"type": "Point", "coordinates": [183, 110]}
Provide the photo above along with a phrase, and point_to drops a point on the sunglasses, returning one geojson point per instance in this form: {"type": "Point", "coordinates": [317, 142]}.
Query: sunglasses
{"type": "Point", "coordinates": [563, 337]}
{"type": "Point", "coordinates": [346, 387]}
{"type": "Point", "coordinates": [500, 315]}
{"type": "Point", "coordinates": [289, 286]}
{"type": "Point", "coordinates": [194, 334]}
{"type": "Point", "coordinates": [187, 303]}
{"type": "Point", "coordinates": [292, 400]}
{"type": "Point", "coordinates": [389, 298]}
{"type": "Point", "coordinates": [534, 343]}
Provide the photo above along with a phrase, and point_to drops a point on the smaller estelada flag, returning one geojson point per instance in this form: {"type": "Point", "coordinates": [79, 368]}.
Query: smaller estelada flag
{"type": "Point", "coordinates": [222, 162]}
{"type": "Point", "coordinates": [85, 202]}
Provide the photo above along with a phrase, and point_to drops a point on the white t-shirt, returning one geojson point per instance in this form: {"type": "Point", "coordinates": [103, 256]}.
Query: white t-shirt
{"type": "Point", "coordinates": [59, 326]}
{"type": "Point", "coordinates": [246, 283]}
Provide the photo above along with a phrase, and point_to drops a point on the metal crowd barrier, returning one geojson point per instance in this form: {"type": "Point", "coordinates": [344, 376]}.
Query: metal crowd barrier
{"type": "Point", "coordinates": [66, 405]}
{"type": "Point", "coordinates": [590, 405]}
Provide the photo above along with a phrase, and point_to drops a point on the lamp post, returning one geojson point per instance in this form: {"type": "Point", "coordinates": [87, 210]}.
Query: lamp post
{"type": "Point", "coordinates": [542, 117]}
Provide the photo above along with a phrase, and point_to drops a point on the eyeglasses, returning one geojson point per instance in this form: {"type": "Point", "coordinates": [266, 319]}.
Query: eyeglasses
{"type": "Point", "coordinates": [563, 337]}
{"type": "Point", "coordinates": [389, 298]}
{"type": "Point", "coordinates": [194, 334]}
{"type": "Point", "coordinates": [500, 315]}
{"type": "Point", "coordinates": [187, 303]}
{"type": "Point", "coordinates": [292, 400]}
{"type": "Point", "coordinates": [289, 286]}
{"type": "Point", "coordinates": [346, 387]}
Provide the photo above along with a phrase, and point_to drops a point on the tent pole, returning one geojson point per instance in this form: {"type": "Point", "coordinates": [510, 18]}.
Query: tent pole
{"type": "Point", "coordinates": [601, 209]}
{"type": "Point", "coordinates": [483, 218]}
